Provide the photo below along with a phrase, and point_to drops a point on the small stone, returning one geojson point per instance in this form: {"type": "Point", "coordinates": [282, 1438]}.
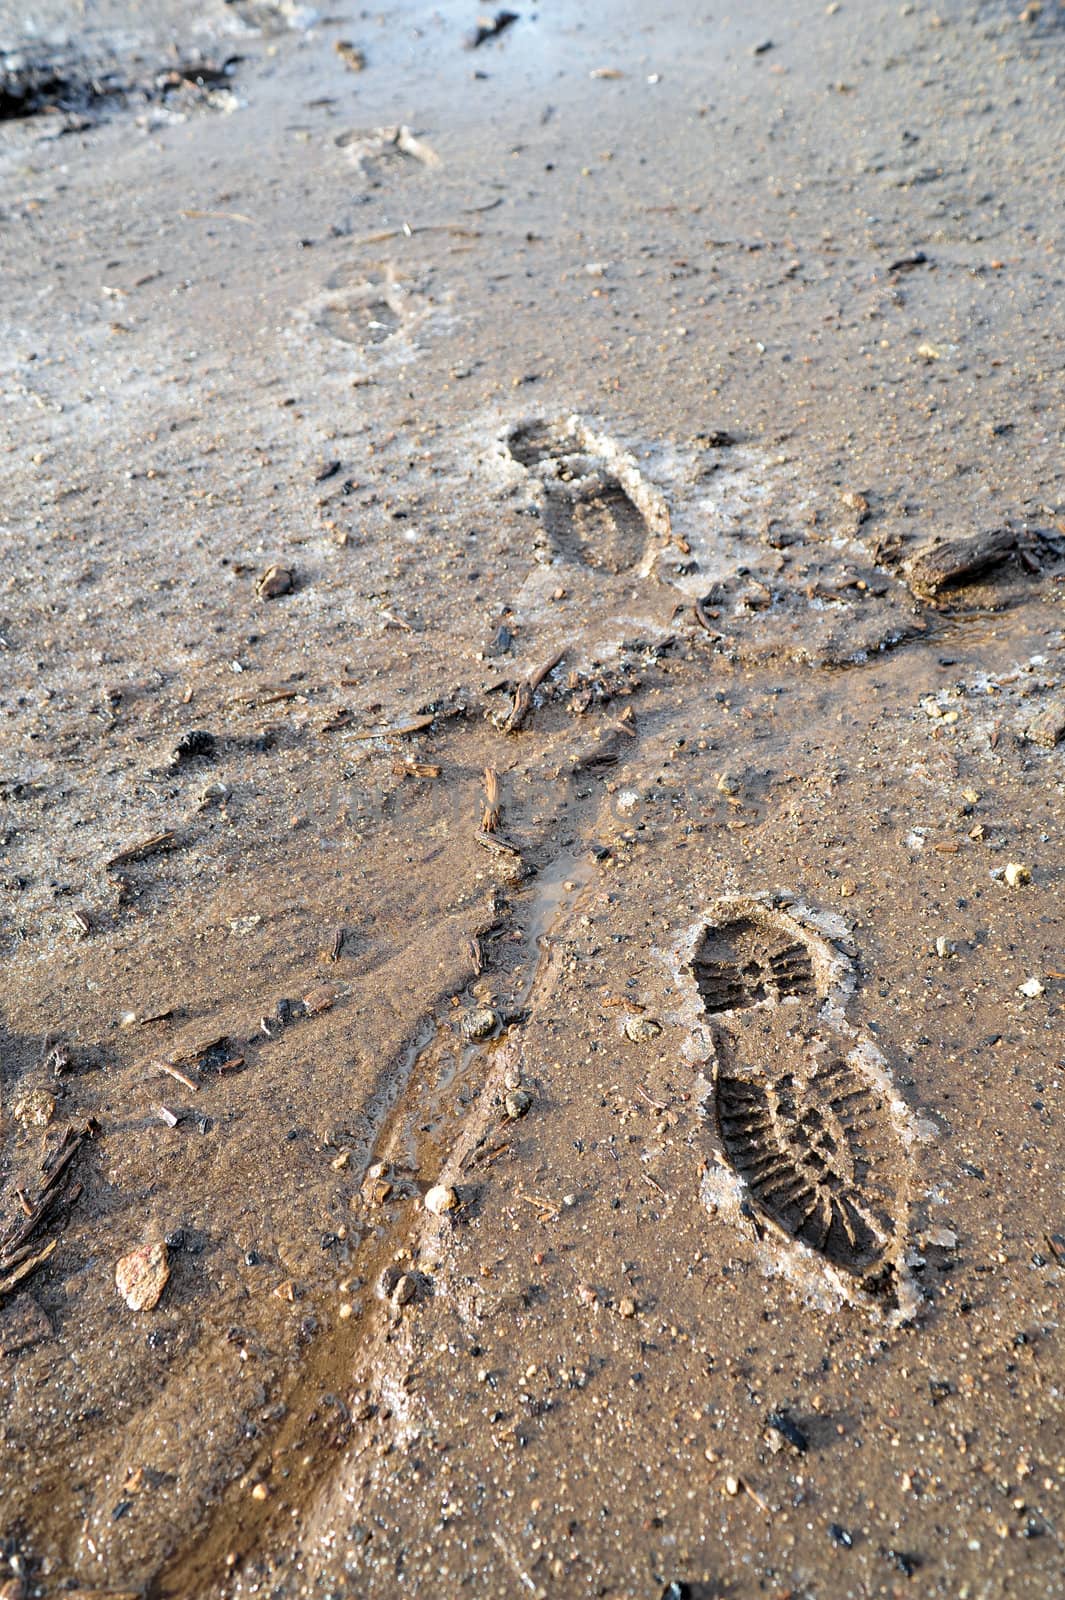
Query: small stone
{"type": "Point", "coordinates": [1016, 874]}
{"type": "Point", "coordinates": [512, 1078]}
{"type": "Point", "coordinates": [732, 1485]}
{"type": "Point", "coordinates": [355, 61]}
{"type": "Point", "coordinates": [440, 1198]}
{"type": "Point", "coordinates": [517, 1103]}
{"type": "Point", "coordinates": [848, 888]}
{"type": "Point", "coordinates": [627, 1307]}
{"type": "Point", "coordinates": [944, 948]}
{"type": "Point", "coordinates": [479, 1024]}
{"type": "Point", "coordinates": [275, 581]}
{"type": "Point", "coordinates": [34, 1109]}
{"type": "Point", "coordinates": [259, 1491]}
{"type": "Point", "coordinates": [1031, 989]}
{"type": "Point", "coordinates": [642, 1029]}
{"type": "Point", "coordinates": [1047, 727]}
{"type": "Point", "coordinates": [405, 1290]}
{"type": "Point", "coordinates": [213, 794]}
{"type": "Point", "coordinates": [942, 1238]}
{"type": "Point", "coordinates": [142, 1276]}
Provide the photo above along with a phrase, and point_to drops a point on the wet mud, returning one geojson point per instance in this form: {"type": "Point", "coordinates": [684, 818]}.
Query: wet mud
{"type": "Point", "coordinates": [532, 791]}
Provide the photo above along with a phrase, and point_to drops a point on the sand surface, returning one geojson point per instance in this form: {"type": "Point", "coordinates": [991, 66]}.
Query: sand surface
{"type": "Point", "coordinates": [532, 669]}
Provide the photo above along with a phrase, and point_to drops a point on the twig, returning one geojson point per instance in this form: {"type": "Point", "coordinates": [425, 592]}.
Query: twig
{"type": "Point", "coordinates": [218, 216]}
{"type": "Point", "coordinates": [518, 1568]}
{"type": "Point", "coordinates": [147, 847]}
{"type": "Point", "coordinates": [523, 698]}
{"type": "Point", "coordinates": [14, 1278]}
{"type": "Point", "coordinates": [759, 1502]}
{"type": "Point", "coordinates": [175, 1072]}
{"type": "Point", "coordinates": [500, 846]}
{"type": "Point", "coordinates": [413, 725]}
{"type": "Point", "coordinates": [493, 810]}
{"type": "Point", "coordinates": [406, 768]}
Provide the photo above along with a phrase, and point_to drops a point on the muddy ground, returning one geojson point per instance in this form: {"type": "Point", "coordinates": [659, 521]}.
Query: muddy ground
{"type": "Point", "coordinates": [533, 670]}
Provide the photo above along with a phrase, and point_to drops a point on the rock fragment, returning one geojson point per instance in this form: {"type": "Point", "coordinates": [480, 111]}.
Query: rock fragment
{"type": "Point", "coordinates": [34, 1109]}
{"type": "Point", "coordinates": [142, 1276]}
{"type": "Point", "coordinates": [440, 1199]}
{"type": "Point", "coordinates": [517, 1103]}
{"type": "Point", "coordinates": [1047, 727]}
{"type": "Point", "coordinates": [276, 580]}
{"type": "Point", "coordinates": [479, 1024]}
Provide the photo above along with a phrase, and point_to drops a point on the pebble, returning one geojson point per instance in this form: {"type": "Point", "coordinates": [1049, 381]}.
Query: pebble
{"type": "Point", "coordinates": [440, 1199]}
{"type": "Point", "coordinates": [1016, 874]}
{"type": "Point", "coordinates": [479, 1024]}
{"type": "Point", "coordinates": [142, 1276]}
{"type": "Point", "coordinates": [642, 1029]}
{"type": "Point", "coordinates": [517, 1103]}
{"type": "Point", "coordinates": [405, 1290]}
{"type": "Point", "coordinates": [627, 1307]}
{"type": "Point", "coordinates": [944, 948]}
{"type": "Point", "coordinates": [1031, 989]}
{"type": "Point", "coordinates": [213, 794]}
{"type": "Point", "coordinates": [34, 1109]}
{"type": "Point", "coordinates": [276, 580]}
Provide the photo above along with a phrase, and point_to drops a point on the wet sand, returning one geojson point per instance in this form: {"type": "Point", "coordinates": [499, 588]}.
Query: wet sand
{"type": "Point", "coordinates": [492, 714]}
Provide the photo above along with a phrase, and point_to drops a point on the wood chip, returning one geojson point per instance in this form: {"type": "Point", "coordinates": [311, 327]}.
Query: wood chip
{"type": "Point", "coordinates": [949, 563]}
{"type": "Point", "coordinates": [406, 768]}
{"type": "Point", "coordinates": [25, 1267]}
{"type": "Point", "coordinates": [322, 997]}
